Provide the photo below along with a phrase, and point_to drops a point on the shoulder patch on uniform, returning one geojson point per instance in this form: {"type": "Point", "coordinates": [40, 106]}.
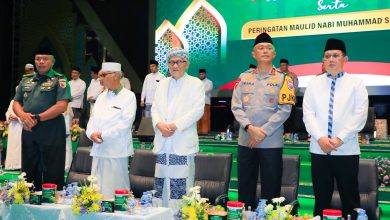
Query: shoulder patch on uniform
{"type": "Point", "coordinates": [62, 83]}
{"type": "Point", "coordinates": [286, 93]}
{"type": "Point", "coordinates": [273, 71]}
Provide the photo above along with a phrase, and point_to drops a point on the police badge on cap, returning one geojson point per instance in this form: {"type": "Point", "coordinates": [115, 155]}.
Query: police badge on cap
{"type": "Point", "coordinates": [335, 44]}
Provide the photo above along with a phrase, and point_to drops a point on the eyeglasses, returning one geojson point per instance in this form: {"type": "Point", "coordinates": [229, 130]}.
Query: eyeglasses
{"type": "Point", "coordinates": [335, 56]}
{"type": "Point", "coordinates": [103, 75]}
{"type": "Point", "coordinates": [178, 62]}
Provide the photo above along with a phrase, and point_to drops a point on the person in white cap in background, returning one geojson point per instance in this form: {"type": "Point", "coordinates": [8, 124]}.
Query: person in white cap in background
{"type": "Point", "coordinates": [110, 130]}
{"type": "Point", "coordinates": [14, 151]}
{"type": "Point", "coordinates": [178, 105]}
{"type": "Point", "coordinates": [28, 70]}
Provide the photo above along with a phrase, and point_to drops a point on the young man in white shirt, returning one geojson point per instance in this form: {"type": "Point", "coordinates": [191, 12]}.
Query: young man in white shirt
{"type": "Point", "coordinates": [335, 108]}
{"type": "Point", "coordinates": [178, 105]}
{"type": "Point", "coordinates": [94, 88]}
{"type": "Point", "coordinates": [204, 123]}
{"type": "Point", "coordinates": [149, 87]}
{"type": "Point", "coordinates": [110, 130]}
{"type": "Point", "coordinates": [77, 89]}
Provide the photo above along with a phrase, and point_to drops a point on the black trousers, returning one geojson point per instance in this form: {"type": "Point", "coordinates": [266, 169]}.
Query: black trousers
{"type": "Point", "coordinates": [325, 170]}
{"type": "Point", "coordinates": [77, 112]}
{"type": "Point", "coordinates": [271, 166]}
{"type": "Point", "coordinates": [43, 153]}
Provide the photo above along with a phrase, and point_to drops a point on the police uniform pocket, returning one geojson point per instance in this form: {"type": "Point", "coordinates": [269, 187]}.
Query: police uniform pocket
{"type": "Point", "coordinates": [247, 99]}
{"type": "Point", "coordinates": [26, 91]}
{"type": "Point", "coordinates": [269, 100]}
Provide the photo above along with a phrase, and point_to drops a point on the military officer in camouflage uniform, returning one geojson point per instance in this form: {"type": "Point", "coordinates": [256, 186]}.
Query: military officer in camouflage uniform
{"type": "Point", "coordinates": [261, 103]}
{"type": "Point", "coordinates": [40, 100]}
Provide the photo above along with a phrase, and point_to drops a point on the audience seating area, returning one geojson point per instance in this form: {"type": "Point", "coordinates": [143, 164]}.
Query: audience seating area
{"type": "Point", "coordinates": [213, 174]}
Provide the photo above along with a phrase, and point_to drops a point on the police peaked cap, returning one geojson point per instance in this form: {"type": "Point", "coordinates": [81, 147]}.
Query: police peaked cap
{"type": "Point", "coordinates": [335, 44]}
{"type": "Point", "coordinates": [263, 38]}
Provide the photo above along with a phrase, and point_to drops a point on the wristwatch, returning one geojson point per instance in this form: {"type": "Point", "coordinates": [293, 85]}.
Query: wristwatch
{"type": "Point", "coordinates": [246, 127]}
{"type": "Point", "coordinates": [37, 117]}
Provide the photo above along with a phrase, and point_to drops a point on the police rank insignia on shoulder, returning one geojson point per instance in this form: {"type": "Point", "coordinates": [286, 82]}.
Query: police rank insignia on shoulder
{"type": "Point", "coordinates": [286, 93]}
{"type": "Point", "coordinates": [62, 83]}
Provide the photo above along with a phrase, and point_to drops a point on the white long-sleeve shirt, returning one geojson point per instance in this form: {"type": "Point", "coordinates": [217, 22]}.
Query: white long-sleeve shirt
{"type": "Point", "coordinates": [349, 112]}
{"type": "Point", "coordinates": [125, 82]}
{"type": "Point", "coordinates": [149, 87]}
{"type": "Point", "coordinates": [94, 89]}
{"type": "Point", "coordinates": [208, 86]}
{"type": "Point", "coordinates": [113, 115]}
{"type": "Point", "coordinates": [77, 89]}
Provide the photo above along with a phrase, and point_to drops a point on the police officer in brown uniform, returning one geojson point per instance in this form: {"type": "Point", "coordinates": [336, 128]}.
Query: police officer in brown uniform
{"type": "Point", "coordinates": [40, 100]}
{"type": "Point", "coordinates": [261, 103]}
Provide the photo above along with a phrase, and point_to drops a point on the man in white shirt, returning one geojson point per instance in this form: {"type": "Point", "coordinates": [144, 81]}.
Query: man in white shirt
{"type": "Point", "coordinates": [77, 89]}
{"type": "Point", "coordinates": [204, 123]}
{"type": "Point", "coordinates": [335, 108]}
{"type": "Point", "coordinates": [178, 105]}
{"type": "Point", "coordinates": [149, 87]}
{"type": "Point", "coordinates": [110, 130]}
{"type": "Point", "coordinates": [94, 88]}
{"type": "Point", "coordinates": [125, 82]}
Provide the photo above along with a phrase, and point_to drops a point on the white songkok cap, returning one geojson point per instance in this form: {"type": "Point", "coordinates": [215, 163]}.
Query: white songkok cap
{"type": "Point", "coordinates": [29, 66]}
{"type": "Point", "coordinates": [111, 66]}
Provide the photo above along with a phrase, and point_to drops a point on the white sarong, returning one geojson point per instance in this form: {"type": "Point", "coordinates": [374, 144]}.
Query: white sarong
{"type": "Point", "coordinates": [111, 174]}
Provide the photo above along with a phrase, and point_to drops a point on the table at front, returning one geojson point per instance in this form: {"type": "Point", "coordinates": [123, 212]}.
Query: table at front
{"type": "Point", "coordinates": [64, 212]}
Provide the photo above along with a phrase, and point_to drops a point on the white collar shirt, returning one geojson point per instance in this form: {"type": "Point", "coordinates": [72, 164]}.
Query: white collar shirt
{"type": "Point", "coordinates": [77, 89]}
{"type": "Point", "coordinates": [113, 115]}
{"type": "Point", "coordinates": [149, 87]}
{"type": "Point", "coordinates": [349, 112]}
{"type": "Point", "coordinates": [94, 88]}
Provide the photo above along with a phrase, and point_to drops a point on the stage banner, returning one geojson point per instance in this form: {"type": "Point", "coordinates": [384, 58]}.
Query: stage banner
{"type": "Point", "coordinates": [220, 34]}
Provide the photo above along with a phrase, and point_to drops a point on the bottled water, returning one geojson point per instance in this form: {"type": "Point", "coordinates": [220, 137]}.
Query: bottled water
{"type": "Point", "coordinates": [75, 189]}
{"type": "Point", "coordinates": [145, 207]}
{"type": "Point", "coordinates": [229, 134]}
{"type": "Point", "coordinates": [362, 215]}
{"type": "Point", "coordinates": [260, 209]}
